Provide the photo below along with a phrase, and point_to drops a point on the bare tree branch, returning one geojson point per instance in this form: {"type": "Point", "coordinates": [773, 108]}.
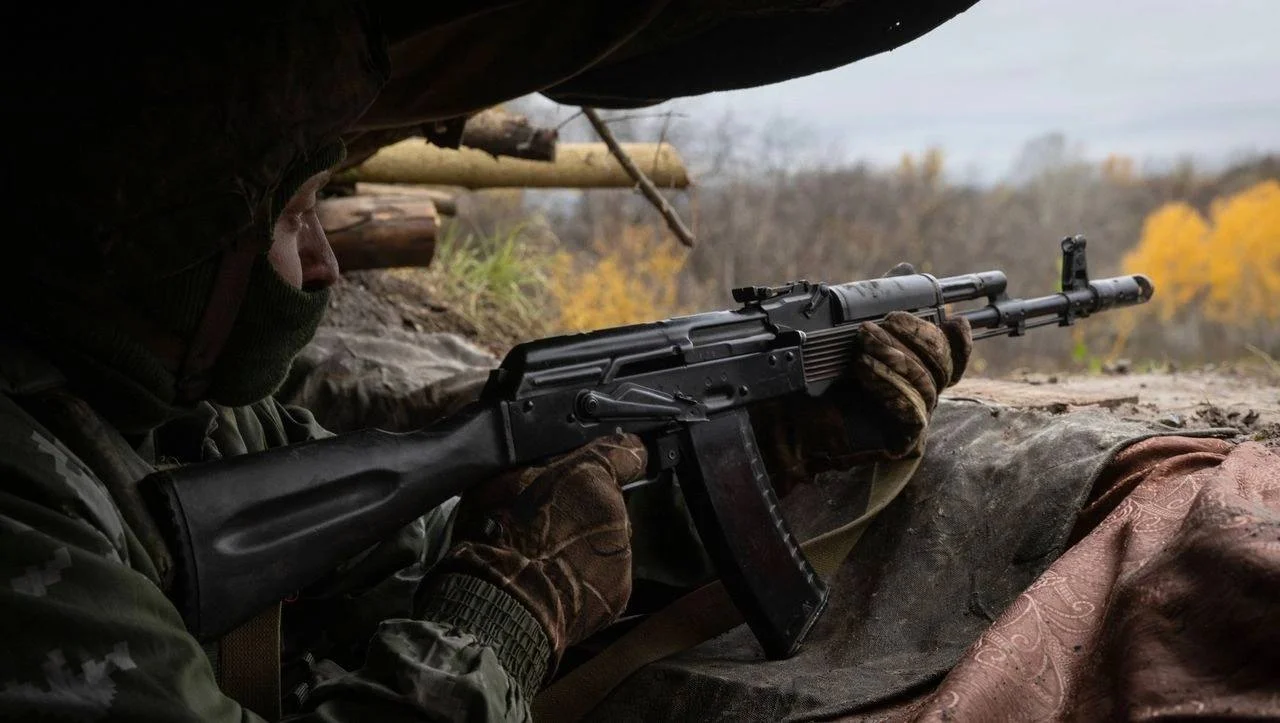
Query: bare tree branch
{"type": "Point", "coordinates": [645, 185]}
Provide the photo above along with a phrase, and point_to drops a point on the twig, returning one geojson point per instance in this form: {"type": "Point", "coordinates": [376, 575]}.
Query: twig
{"type": "Point", "coordinates": [662, 138]}
{"type": "Point", "coordinates": [642, 116]}
{"type": "Point", "coordinates": [567, 121]}
{"type": "Point", "coordinates": [693, 194]}
{"type": "Point", "coordinates": [646, 186]}
{"type": "Point", "coordinates": [1272, 364]}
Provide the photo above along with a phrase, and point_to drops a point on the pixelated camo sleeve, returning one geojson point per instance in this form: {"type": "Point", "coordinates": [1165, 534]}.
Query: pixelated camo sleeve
{"type": "Point", "coordinates": [87, 636]}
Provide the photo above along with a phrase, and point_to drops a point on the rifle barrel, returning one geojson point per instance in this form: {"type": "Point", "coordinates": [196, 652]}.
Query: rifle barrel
{"type": "Point", "coordinates": [1011, 316]}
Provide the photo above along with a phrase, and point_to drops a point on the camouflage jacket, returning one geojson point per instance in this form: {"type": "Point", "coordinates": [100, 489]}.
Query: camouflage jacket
{"type": "Point", "coordinates": [89, 634]}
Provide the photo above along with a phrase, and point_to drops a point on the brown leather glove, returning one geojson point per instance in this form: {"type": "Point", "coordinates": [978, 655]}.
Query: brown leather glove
{"type": "Point", "coordinates": [878, 410]}
{"type": "Point", "coordinates": [554, 538]}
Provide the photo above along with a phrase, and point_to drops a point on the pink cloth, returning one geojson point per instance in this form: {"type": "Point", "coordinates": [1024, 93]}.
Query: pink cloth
{"type": "Point", "coordinates": [1166, 605]}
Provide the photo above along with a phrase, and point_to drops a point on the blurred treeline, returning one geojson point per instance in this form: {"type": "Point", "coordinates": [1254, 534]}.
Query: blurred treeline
{"type": "Point", "coordinates": [1210, 240]}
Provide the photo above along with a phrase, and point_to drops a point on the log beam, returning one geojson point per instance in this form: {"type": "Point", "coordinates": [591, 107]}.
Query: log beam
{"type": "Point", "coordinates": [446, 203]}
{"type": "Point", "coordinates": [577, 165]}
{"type": "Point", "coordinates": [499, 133]}
{"type": "Point", "coordinates": [378, 232]}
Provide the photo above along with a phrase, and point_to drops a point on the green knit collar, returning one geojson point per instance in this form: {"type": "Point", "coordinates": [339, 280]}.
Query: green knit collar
{"type": "Point", "coordinates": [131, 387]}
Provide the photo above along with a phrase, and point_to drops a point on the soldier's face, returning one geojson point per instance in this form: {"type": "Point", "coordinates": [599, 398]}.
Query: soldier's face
{"type": "Point", "coordinates": [300, 252]}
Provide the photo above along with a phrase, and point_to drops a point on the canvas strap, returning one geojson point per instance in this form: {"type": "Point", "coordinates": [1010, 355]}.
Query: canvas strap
{"type": "Point", "coordinates": [704, 613]}
{"type": "Point", "coordinates": [249, 664]}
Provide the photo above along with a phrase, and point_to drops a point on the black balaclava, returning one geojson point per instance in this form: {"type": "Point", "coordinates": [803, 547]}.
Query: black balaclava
{"type": "Point", "coordinates": [126, 380]}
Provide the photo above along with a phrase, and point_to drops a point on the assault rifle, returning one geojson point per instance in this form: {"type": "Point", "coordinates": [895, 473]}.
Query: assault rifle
{"type": "Point", "coordinates": [251, 530]}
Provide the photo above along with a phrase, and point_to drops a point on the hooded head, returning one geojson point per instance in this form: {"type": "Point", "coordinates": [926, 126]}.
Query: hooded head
{"type": "Point", "coordinates": [169, 250]}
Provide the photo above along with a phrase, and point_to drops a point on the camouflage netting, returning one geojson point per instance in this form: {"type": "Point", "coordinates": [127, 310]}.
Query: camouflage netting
{"type": "Point", "coordinates": [395, 379]}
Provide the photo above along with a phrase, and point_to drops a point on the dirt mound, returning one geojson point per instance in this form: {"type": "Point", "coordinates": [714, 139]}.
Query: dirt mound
{"type": "Point", "coordinates": [414, 299]}
{"type": "Point", "coordinates": [364, 299]}
{"type": "Point", "coordinates": [1199, 399]}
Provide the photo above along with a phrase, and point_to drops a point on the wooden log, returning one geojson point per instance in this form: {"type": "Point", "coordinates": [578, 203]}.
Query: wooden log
{"type": "Point", "coordinates": [446, 203]}
{"type": "Point", "coordinates": [379, 232]}
{"type": "Point", "coordinates": [577, 165]}
{"type": "Point", "coordinates": [494, 131]}
{"type": "Point", "coordinates": [499, 133]}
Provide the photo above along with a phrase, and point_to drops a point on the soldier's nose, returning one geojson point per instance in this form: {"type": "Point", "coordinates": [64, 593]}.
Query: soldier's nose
{"type": "Point", "coordinates": [319, 264]}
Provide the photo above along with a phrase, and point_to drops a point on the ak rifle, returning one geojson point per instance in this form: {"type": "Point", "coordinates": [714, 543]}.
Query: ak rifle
{"type": "Point", "coordinates": [251, 530]}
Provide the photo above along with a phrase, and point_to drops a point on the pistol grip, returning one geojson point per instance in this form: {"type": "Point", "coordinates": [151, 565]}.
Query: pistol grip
{"type": "Point", "coordinates": [736, 514]}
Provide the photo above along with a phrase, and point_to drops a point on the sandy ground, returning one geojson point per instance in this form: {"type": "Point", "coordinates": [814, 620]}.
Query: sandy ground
{"type": "Point", "coordinates": [1195, 399]}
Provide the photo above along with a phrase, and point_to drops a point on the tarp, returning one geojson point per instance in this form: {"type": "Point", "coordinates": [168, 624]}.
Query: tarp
{"type": "Point", "coordinates": [1164, 607]}
{"type": "Point", "coordinates": [992, 506]}
{"type": "Point", "coordinates": [625, 54]}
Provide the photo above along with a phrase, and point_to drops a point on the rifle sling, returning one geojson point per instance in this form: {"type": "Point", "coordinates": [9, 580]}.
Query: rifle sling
{"type": "Point", "coordinates": [703, 613]}
{"type": "Point", "coordinates": [248, 669]}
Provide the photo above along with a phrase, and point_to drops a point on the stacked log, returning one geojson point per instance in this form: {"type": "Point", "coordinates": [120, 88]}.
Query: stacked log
{"type": "Point", "coordinates": [499, 133]}
{"type": "Point", "coordinates": [446, 202]}
{"type": "Point", "coordinates": [390, 212]}
{"type": "Point", "coordinates": [577, 165]}
{"type": "Point", "coordinates": [382, 231]}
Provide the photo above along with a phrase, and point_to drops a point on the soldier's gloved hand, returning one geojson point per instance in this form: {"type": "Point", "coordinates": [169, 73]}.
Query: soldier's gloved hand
{"type": "Point", "coordinates": [878, 410]}
{"type": "Point", "coordinates": [541, 557]}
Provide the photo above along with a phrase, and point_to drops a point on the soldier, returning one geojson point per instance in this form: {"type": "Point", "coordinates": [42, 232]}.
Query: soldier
{"type": "Point", "coordinates": [157, 302]}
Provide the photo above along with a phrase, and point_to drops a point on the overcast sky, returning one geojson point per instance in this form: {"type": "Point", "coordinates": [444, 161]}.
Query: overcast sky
{"type": "Point", "coordinates": [1154, 79]}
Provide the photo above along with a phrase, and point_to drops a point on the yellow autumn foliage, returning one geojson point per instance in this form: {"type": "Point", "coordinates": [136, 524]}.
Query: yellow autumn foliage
{"type": "Point", "coordinates": [928, 170]}
{"type": "Point", "coordinates": [1227, 266]}
{"type": "Point", "coordinates": [1172, 252]}
{"type": "Point", "coordinates": [629, 279]}
{"type": "Point", "coordinates": [1118, 169]}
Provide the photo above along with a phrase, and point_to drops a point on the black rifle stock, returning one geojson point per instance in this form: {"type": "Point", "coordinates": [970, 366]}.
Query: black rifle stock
{"type": "Point", "coordinates": [251, 530]}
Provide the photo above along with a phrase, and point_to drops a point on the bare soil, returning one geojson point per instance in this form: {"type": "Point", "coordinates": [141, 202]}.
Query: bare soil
{"type": "Point", "coordinates": [364, 299]}
{"type": "Point", "coordinates": [1198, 399]}
{"type": "Point", "coordinates": [376, 298]}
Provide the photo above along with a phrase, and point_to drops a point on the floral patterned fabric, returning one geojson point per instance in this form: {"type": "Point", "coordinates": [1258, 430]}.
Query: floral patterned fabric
{"type": "Point", "coordinates": [1165, 606]}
